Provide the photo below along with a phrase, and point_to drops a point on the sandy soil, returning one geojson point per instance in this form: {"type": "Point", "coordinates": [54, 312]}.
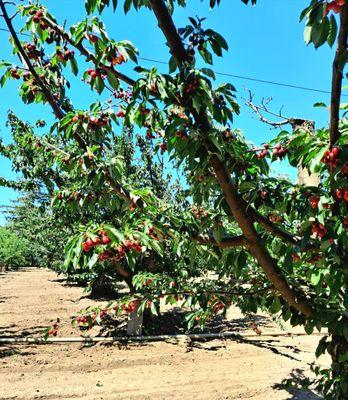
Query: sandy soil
{"type": "Point", "coordinates": [214, 370]}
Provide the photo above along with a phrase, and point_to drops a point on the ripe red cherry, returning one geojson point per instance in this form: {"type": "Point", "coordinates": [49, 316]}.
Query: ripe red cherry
{"type": "Point", "coordinates": [335, 151]}
{"type": "Point", "coordinates": [85, 247]}
{"type": "Point", "coordinates": [163, 147]}
{"type": "Point", "coordinates": [314, 201]}
{"type": "Point", "coordinates": [94, 74]}
{"type": "Point", "coordinates": [138, 248]}
{"type": "Point", "coordinates": [105, 239]}
{"type": "Point", "coordinates": [295, 257]}
{"type": "Point", "coordinates": [96, 241]}
{"type": "Point", "coordinates": [93, 38]}
{"type": "Point", "coordinates": [120, 113]}
{"type": "Point", "coordinates": [346, 196]}
{"type": "Point", "coordinates": [89, 242]}
{"type": "Point", "coordinates": [339, 194]}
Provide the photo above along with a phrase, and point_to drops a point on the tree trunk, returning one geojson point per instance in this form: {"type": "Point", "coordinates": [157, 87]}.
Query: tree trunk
{"type": "Point", "coordinates": [339, 355]}
{"type": "Point", "coordinates": [135, 324]}
{"type": "Point", "coordinates": [101, 287]}
{"type": "Point", "coordinates": [304, 178]}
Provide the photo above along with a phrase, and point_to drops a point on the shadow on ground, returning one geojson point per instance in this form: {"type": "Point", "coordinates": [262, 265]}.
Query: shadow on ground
{"type": "Point", "coordinates": [8, 350]}
{"type": "Point", "coordinates": [297, 385]}
{"type": "Point", "coordinates": [13, 331]}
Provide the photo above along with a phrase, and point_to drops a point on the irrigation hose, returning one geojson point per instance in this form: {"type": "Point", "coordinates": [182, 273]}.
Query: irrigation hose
{"type": "Point", "coordinates": [152, 338]}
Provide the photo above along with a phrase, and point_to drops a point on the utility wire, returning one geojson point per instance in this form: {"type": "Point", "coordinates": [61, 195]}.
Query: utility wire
{"type": "Point", "coordinates": [247, 78]}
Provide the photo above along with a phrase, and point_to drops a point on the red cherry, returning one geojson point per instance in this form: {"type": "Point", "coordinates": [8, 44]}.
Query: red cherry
{"type": "Point", "coordinates": [85, 247]}
{"type": "Point", "coordinates": [346, 195]}
{"type": "Point", "coordinates": [339, 194]}
{"type": "Point", "coordinates": [89, 242]}
{"type": "Point", "coordinates": [105, 239]}
{"type": "Point", "coordinates": [93, 38]}
{"type": "Point", "coordinates": [120, 113]}
{"type": "Point", "coordinates": [314, 201]}
{"type": "Point", "coordinates": [295, 257]}
{"type": "Point", "coordinates": [138, 248]}
{"type": "Point", "coordinates": [163, 147]}
{"type": "Point", "coordinates": [96, 241]}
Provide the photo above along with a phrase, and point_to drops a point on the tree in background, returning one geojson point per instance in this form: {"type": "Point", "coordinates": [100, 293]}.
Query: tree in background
{"type": "Point", "coordinates": [14, 250]}
{"type": "Point", "coordinates": [276, 245]}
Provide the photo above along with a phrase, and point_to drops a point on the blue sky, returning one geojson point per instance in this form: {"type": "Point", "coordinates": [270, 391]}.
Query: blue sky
{"type": "Point", "coordinates": [265, 42]}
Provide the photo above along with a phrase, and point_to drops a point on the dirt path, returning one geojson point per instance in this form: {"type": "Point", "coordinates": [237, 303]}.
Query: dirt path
{"type": "Point", "coordinates": [213, 370]}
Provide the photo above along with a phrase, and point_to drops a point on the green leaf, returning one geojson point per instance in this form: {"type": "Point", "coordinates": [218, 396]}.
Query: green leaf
{"type": "Point", "coordinates": [172, 64]}
{"type": "Point", "coordinates": [332, 31]}
{"type": "Point", "coordinates": [127, 5]}
{"type": "Point", "coordinates": [113, 81]}
{"type": "Point", "coordinates": [74, 66]}
{"type": "Point", "coordinates": [315, 277]}
{"type": "Point", "coordinates": [208, 72]}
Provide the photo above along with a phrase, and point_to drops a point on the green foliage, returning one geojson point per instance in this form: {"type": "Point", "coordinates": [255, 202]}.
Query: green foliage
{"type": "Point", "coordinates": [14, 250]}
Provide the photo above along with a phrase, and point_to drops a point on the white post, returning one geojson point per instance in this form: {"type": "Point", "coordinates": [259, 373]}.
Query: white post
{"type": "Point", "coordinates": [135, 324]}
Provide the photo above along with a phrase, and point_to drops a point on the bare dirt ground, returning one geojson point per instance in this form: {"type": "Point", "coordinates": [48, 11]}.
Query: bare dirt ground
{"type": "Point", "coordinates": [214, 370]}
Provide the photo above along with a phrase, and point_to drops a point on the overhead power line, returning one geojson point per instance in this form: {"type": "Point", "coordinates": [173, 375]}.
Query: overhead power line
{"type": "Point", "coordinates": [247, 78]}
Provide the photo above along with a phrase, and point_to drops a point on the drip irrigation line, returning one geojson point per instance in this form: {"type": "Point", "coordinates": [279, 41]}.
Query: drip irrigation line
{"type": "Point", "coordinates": [152, 338]}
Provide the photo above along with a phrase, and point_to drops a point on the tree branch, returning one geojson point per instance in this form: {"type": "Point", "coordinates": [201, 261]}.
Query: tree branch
{"type": "Point", "coordinates": [234, 201]}
{"type": "Point", "coordinates": [337, 75]}
{"type": "Point", "coordinates": [166, 24]}
{"type": "Point", "coordinates": [225, 243]}
{"type": "Point", "coordinates": [46, 91]}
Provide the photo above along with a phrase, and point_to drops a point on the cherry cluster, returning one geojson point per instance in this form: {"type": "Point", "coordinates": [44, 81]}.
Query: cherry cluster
{"type": "Point", "coordinates": [53, 36]}
{"type": "Point", "coordinates": [123, 94]}
{"type": "Point", "coordinates": [32, 51]}
{"type": "Point", "coordinates": [93, 38]}
{"type": "Point", "coordinates": [163, 147]}
{"type": "Point", "coordinates": [334, 6]}
{"type": "Point", "coordinates": [264, 152]}
{"type": "Point", "coordinates": [227, 135]}
{"type": "Point", "coordinates": [94, 73]}
{"type": "Point", "coordinates": [342, 194]}
{"type": "Point", "coordinates": [37, 19]}
{"type": "Point", "coordinates": [199, 212]}
{"type": "Point", "coordinates": [192, 86]}
{"type": "Point", "coordinates": [131, 306]}
{"type": "Point", "coordinates": [54, 330]}
{"type": "Point", "coordinates": [128, 246]}
{"type": "Point", "coordinates": [331, 157]}
{"type": "Point", "coordinates": [319, 229]}
{"type": "Point", "coordinates": [120, 114]}
{"type": "Point", "coordinates": [280, 151]}
{"type": "Point", "coordinates": [14, 73]}
{"type": "Point", "coordinates": [65, 55]}
{"type": "Point", "coordinates": [275, 218]}
{"type": "Point", "coordinates": [102, 238]}
{"type": "Point", "coordinates": [181, 135]}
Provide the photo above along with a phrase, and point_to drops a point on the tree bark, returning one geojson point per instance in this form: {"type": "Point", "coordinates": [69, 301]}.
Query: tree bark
{"type": "Point", "coordinates": [337, 76]}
